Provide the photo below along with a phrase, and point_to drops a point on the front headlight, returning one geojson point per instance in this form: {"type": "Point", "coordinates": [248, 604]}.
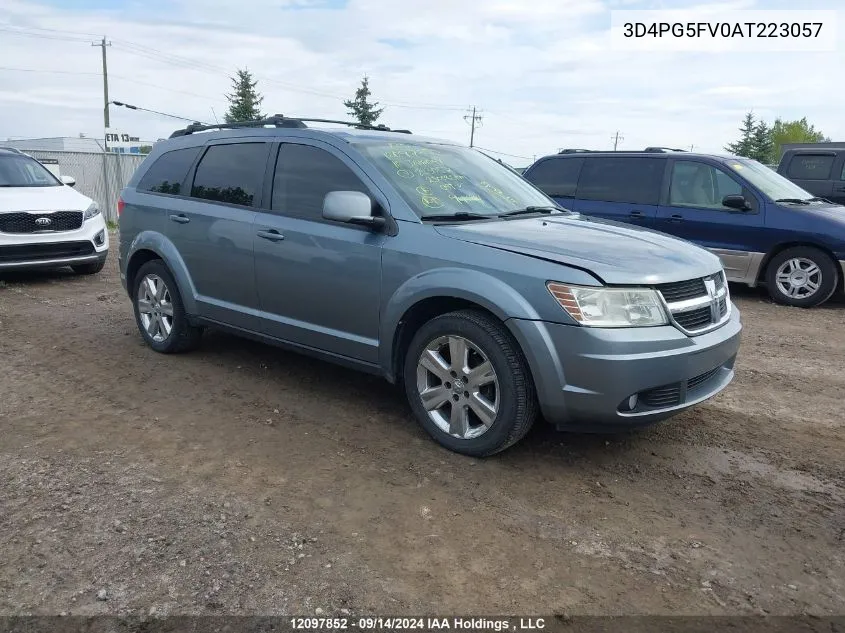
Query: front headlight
{"type": "Point", "coordinates": [610, 307]}
{"type": "Point", "coordinates": [91, 211]}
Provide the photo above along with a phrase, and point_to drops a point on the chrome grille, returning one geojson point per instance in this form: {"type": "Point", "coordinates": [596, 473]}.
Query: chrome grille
{"type": "Point", "coordinates": [697, 305]}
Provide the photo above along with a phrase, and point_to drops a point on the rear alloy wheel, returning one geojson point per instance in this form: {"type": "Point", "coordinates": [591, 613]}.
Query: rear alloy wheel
{"type": "Point", "coordinates": [801, 276]}
{"type": "Point", "coordinates": [468, 383]}
{"type": "Point", "coordinates": [159, 312]}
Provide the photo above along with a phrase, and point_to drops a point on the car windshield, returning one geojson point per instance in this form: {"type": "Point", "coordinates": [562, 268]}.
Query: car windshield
{"type": "Point", "coordinates": [448, 180]}
{"type": "Point", "coordinates": [768, 181]}
{"type": "Point", "coordinates": [17, 170]}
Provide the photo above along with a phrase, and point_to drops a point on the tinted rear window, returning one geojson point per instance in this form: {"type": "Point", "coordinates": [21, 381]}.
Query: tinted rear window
{"type": "Point", "coordinates": [619, 179]}
{"type": "Point", "coordinates": [168, 172]}
{"type": "Point", "coordinates": [232, 173]}
{"type": "Point", "coordinates": [556, 176]}
{"type": "Point", "coordinates": [810, 166]}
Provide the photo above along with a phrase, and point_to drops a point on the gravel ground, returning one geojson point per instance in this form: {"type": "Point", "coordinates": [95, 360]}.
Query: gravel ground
{"type": "Point", "coordinates": [240, 479]}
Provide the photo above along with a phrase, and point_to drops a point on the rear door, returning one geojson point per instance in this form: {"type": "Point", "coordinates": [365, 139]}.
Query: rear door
{"type": "Point", "coordinates": [693, 210]}
{"type": "Point", "coordinates": [557, 177]}
{"type": "Point", "coordinates": [621, 188]}
{"type": "Point", "coordinates": [813, 171]}
{"type": "Point", "coordinates": [213, 232]}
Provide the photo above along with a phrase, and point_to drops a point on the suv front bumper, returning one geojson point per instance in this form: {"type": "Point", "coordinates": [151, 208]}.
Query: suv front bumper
{"type": "Point", "coordinates": [585, 377]}
{"type": "Point", "coordinates": [85, 245]}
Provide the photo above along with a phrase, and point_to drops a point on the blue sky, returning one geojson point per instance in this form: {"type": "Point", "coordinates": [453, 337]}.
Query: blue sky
{"type": "Point", "coordinates": [542, 72]}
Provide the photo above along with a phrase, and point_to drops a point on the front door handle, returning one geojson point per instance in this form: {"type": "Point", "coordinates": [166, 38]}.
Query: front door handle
{"type": "Point", "coordinates": [637, 214]}
{"type": "Point", "coordinates": [180, 219]}
{"type": "Point", "coordinates": [675, 217]}
{"type": "Point", "coordinates": [272, 234]}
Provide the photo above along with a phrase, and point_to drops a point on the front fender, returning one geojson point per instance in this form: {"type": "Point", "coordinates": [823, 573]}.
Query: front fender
{"type": "Point", "coordinates": [489, 292]}
{"type": "Point", "coordinates": [164, 248]}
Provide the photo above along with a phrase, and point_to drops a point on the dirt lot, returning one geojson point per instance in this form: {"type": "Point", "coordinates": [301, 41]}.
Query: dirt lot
{"type": "Point", "coordinates": [243, 479]}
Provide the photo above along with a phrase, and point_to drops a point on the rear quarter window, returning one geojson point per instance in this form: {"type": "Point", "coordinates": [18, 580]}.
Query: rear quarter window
{"type": "Point", "coordinates": [168, 172]}
{"type": "Point", "coordinates": [810, 166]}
{"type": "Point", "coordinates": [556, 176]}
{"type": "Point", "coordinates": [633, 180]}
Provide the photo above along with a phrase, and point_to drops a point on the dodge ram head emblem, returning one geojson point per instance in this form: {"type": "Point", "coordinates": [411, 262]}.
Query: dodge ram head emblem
{"type": "Point", "coordinates": [43, 221]}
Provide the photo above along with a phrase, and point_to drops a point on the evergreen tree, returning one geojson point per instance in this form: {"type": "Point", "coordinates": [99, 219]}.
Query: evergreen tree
{"type": "Point", "coordinates": [245, 101]}
{"type": "Point", "coordinates": [745, 145]}
{"type": "Point", "coordinates": [762, 145]}
{"type": "Point", "coordinates": [365, 112]}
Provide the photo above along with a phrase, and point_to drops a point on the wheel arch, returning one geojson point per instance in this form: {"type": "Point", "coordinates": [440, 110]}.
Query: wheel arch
{"type": "Point", "coordinates": [148, 246]}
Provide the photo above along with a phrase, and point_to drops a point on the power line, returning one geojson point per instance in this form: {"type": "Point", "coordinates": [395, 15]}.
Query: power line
{"type": "Point", "coordinates": [493, 151]}
{"type": "Point", "coordinates": [172, 116]}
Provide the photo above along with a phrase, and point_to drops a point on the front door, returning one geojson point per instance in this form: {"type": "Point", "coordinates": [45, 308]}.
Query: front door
{"type": "Point", "coordinates": [694, 212]}
{"type": "Point", "coordinates": [318, 281]}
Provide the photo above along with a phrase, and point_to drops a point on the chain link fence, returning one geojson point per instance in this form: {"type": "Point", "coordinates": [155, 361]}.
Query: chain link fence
{"type": "Point", "coordinates": [101, 176]}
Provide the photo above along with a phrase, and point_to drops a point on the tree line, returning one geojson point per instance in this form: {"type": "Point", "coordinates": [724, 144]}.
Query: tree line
{"type": "Point", "coordinates": [764, 142]}
{"type": "Point", "coordinates": [245, 101]}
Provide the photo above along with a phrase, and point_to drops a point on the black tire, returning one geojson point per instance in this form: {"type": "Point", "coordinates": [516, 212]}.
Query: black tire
{"type": "Point", "coordinates": [183, 336]}
{"type": "Point", "coordinates": [827, 276]}
{"type": "Point", "coordinates": [517, 397]}
{"type": "Point", "coordinates": [89, 269]}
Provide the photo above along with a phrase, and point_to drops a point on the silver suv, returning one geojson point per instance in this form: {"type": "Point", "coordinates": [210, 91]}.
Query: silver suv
{"type": "Point", "coordinates": [427, 263]}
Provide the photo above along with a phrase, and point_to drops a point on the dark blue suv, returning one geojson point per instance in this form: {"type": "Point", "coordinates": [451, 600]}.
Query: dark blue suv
{"type": "Point", "coordinates": [766, 229]}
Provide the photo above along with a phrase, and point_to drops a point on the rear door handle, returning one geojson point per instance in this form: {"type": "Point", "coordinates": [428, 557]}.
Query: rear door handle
{"type": "Point", "coordinates": [272, 234]}
{"type": "Point", "coordinates": [675, 217]}
{"type": "Point", "coordinates": [180, 219]}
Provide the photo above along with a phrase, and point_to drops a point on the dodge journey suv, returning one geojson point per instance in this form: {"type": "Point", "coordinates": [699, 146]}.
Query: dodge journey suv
{"type": "Point", "coordinates": [427, 263]}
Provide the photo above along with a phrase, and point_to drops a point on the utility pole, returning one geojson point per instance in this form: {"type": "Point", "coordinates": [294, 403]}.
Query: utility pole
{"type": "Point", "coordinates": [102, 44]}
{"type": "Point", "coordinates": [472, 118]}
{"type": "Point", "coordinates": [616, 138]}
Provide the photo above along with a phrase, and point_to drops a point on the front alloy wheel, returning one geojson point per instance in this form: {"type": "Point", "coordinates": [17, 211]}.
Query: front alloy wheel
{"type": "Point", "coordinates": [458, 387]}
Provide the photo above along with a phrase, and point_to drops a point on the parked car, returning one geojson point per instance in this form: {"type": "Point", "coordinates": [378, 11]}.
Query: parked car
{"type": "Point", "coordinates": [427, 263]}
{"type": "Point", "coordinates": [44, 223]}
{"type": "Point", "coordinates": [818, 168]}
{"type": "Point", "coordinates": [766, 229]}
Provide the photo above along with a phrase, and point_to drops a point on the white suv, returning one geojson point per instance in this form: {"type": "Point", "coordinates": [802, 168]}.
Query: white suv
{"type": "Point", "coordinates": [44, 223]}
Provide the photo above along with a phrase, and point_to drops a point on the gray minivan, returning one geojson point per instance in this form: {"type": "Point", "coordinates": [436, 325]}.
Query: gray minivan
{"type": "Point", "coordinates": [427, 263]}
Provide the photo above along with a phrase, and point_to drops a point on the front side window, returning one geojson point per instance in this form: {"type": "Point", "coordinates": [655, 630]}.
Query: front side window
{"type": "Point", "coordinates": [697, 184]}
{"type": "Point", "coordinates": [810, 166]}
{"type": "Point", "coordinates": [448, 180]}
{"type": "Point", "coordinates": [621, 179]}
{"type": "Point", "coordinates": [304, 175]}
{"type": "Point", "coordinates": [17, 170]}
{"type": "Point", "coordinates": [168, 172]}
{"type": "Point", "coordinates": [231, 173]}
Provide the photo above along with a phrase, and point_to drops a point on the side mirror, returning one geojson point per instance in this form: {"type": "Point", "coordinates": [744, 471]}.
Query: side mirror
{"type": "Point", "coordinates": [352, 207]}
{"type": "Point", "coordinates": [736, 201]}
{"type": "Point", "coordinates": [70, 181]}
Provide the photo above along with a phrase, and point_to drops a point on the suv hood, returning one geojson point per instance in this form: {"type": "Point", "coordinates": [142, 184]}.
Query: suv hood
{"type": "Point", "coordinates": [61, 198]}
{"type": "Point", "coordinates": [615, 253]}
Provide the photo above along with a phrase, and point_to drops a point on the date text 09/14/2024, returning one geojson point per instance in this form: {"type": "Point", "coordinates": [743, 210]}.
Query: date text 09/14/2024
{"type": "Point", "coordinates": [419, 624]}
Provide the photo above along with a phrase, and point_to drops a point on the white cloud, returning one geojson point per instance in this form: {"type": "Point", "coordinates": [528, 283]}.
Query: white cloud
{"type": "Point", "coordinates": [542, 72]}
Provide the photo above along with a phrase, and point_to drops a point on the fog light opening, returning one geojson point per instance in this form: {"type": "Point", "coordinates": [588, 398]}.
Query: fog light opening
{"type": "Point", "coordinates": [99, 238]}
{"type": "Point", "coordinates": [632, 402]}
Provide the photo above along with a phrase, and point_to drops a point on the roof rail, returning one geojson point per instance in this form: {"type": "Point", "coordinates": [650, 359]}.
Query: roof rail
{"type": "Point", "coordinates": [11, 149]}
{"type": "Point", "coordinates": [663, 149]}
{"type": "Point", "coordinates": [278, 120]}
{"type": "Point", "coordinates": [575, 151]}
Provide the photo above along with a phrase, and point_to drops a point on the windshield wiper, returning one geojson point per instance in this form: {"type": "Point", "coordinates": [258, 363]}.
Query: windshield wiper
{"type": "Point", "coordinates": [792, 200]}
{"type": "Point", "coordinates": [818, 200]}
{"type": "Point", "coordinates": [460, 216]}
{"type": "Point", "coordinates": [530, 209]}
